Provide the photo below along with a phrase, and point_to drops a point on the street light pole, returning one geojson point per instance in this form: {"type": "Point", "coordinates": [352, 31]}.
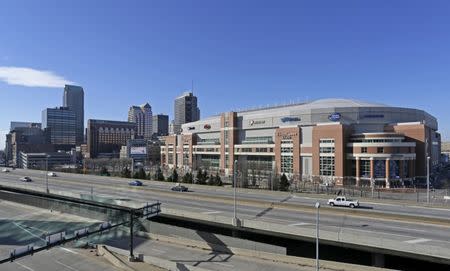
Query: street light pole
{"type": "Point", "coordinates": [428, 179]}
{"type": "Point", "coordinates": [234, 189]}
{"type": "Point", "coordinates": [317, 236]}
{"type": "Point", "coordinates": [46, 174]}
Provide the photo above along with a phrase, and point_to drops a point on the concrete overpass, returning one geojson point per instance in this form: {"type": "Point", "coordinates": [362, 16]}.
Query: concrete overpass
{"type": "Point", "coordinates": [381, 228]}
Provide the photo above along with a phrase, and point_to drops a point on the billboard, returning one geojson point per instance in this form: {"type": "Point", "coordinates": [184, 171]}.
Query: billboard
{"type": "Point", "coordinates": [138, 150]}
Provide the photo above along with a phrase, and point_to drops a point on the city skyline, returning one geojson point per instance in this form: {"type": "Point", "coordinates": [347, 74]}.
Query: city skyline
{"type": "Point", "coordinates": [282, 54]}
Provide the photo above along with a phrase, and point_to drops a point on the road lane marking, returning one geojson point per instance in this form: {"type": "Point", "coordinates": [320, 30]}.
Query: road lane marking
{"type": "Point", "coordinates": [211, 212]}
{"type": "Point", "coordinates": [65, 265]}
{"type": "Point", "coordinates": [403, 228]}
{"type": "Point", "coordinates": [226, 265]}
{"type": "Point", "coordinates": [24, 266]}
{"type": "Point", "coordinates": [68, 250]}
{"type": "Point", "coordinates": [299, 224]}
{"type": "Point", "coordinates": [417, 241]}
{"type": "Point", "coordinates": [157, 250]}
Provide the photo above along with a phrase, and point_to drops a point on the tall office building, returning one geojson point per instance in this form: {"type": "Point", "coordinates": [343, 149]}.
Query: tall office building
{"type": "Point", "coordinates": [105, 137]}
{"type": "Point", "coordinates": [74, 100]}
{"type": "Point", "coordinates": [59, 124]}
{"type": "Point", "coordinates": [160, 125]}
{"type": "Point", "coordinates": [25, 139]}
{"type": "Point", "coordinates": [186, 110]}
{"type": "Point", "coordinates": [142, 116]}
{"type": "Point", "coordinates": [22, 124]}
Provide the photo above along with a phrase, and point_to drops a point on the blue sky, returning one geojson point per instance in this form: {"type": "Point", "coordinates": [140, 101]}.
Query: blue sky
{"type": "Point", "coordinates": [239, 54]}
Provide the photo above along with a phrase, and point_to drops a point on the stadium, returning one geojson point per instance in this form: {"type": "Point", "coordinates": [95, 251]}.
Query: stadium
{"type": "Point", "coordinates": [330, 141]}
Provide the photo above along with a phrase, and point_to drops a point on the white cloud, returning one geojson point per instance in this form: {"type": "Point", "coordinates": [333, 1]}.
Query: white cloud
{"type": "Point", "coordinates": [29, 77]}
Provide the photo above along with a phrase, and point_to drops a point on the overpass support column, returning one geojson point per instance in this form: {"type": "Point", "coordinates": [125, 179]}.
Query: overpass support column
{"type": "Point", "coordinates": [378, 260]}
{"type": "Point", "coordinates": [358, 173]}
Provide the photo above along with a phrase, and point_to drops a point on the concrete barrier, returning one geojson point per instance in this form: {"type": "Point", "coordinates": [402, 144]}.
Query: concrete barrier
{"type": "Point", "coordinates": [208, 237]}
{"type": "Point", "coordinates": [103, 250]}
{"type": "Point", "coordinates": [303, 262]}
{"type": "Point", "coordinates": [161, 263]}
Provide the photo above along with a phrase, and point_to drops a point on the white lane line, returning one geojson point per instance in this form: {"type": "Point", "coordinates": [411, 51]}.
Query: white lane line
{"type": "Point", "coordinates": [28, 231]}
{"type": "Point", "coordinates": [417, 241]}
{"type": "Point", "coordinates": [66, 266]}
{"type": "Point", "coordinates": [24, 266]}
{"type": "Point", "coordinates": [404, 228]}
{"type": "Point", "coordinates": [68, 250]}
{"type": "Point", "coordinates": [226, 265]}
{"type": "Point", "coordinates": [157, 250]}
{"type": "Point", "coordinates": [299, 224]}
{"type": "Point", "coordinates": [211, 212]}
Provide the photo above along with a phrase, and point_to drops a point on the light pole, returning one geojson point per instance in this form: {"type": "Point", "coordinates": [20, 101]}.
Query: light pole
{"type": "Point", "coordinates": [317, 236]}
{"type": "Point", "coordinates": [428, 179]}
{"type": "Point", "coordinates": [372, 185]}
{"type": "Point", "coordinates": [46, 173]}
{"type": "Point", "coordinates": [234, 190]}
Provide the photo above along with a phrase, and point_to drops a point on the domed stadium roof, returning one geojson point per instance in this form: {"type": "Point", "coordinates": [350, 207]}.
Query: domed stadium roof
{"type": "Point", "coordinates": [338, 102]}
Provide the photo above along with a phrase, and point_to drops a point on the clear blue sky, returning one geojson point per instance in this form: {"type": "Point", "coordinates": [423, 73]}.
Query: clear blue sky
{"type": "Point", "coordinates": [239, 54]}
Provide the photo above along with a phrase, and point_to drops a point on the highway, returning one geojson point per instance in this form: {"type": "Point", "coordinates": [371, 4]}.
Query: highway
{"type": "Point", "coordinates": [22, 225]}
{"type": "Point", "coordinates": [286, 209]}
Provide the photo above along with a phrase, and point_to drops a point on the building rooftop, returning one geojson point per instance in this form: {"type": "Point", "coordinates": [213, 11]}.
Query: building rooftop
{"type": "Point", "coordinates": [322, 103]}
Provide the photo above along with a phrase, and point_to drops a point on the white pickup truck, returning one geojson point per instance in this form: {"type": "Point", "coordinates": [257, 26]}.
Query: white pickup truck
{"type": "Point", "coordinates": [343, 201]}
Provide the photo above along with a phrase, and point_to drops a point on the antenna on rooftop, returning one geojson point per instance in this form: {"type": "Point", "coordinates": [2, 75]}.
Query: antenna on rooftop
{"type": "Point", "coordinates": [192, 86]}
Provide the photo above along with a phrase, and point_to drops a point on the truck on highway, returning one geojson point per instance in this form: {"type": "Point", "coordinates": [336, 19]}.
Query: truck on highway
{"type": "Point", "coordinates": [343, 201]}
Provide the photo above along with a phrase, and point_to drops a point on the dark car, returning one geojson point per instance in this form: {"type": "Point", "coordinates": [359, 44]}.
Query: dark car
{"type": "Point", "coordinates": [135, 183]}
{"type": "Point", "coordinates": [179, 188]}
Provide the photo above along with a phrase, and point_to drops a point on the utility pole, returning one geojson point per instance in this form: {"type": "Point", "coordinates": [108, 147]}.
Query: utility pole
{"type": "Point", "coordinates": [317, 236]}
{"type": "Point", "coordinates": [234, 189]}
{"type": "Point", "coordinates": [46, 174]}
{"type": "Point", "coordinates": [428, 179]}
{"type": "Point", "coordinates": [131, 235]}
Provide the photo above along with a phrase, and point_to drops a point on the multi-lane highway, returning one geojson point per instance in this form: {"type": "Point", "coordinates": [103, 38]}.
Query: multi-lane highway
{"type": "Point", "coordinates": [22, 225]}
{"type": "Point", "coordinates": [407, 225]}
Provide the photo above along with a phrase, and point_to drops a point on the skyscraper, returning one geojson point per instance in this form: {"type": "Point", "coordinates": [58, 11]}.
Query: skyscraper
{"type": "Point", "coordinates": [142, 116]}
{"type": "Point", "coordinates": [74, 100]}
{"type": "Point", "coordinates": [186, 110]}
{"type": "Point", "coordinates": [59, 124]}
{"type": "Point", "coordinates": [160, 125]}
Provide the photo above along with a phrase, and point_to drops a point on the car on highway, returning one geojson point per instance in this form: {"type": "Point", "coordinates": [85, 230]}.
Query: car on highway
{"type": "Point", "coordinates": [5, 170]}
{"type": "Point", "coordinates": [26, 179]}
{"type": "Point", "coordinates": [52, 174]}
{"type": "Point", "coordinates": [343, 201]}
{"type": "Point", "coordinates": [180, 188]}
{"type": "Point", "coordinates": [135, 183]}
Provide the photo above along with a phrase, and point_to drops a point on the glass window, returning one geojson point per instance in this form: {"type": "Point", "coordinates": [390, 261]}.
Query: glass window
{"type": "Point", "coordinates": [363, 149]}
{"type": "Point", "coordinates": [287, 150]}
{"type": "Point", "coordinates": [327, 166]}
{"type": "Point", "coordinates": [380, 150]}
{"type": "Point", "coordinates": [287, 164]}
{"type": "Point", "coordinates": [394, 169]}
{"type": "Point", "coordinates": [380, 168]}
{"type": "Point", "coordinates": [364, 168]}
{"type": "Point", "coordinates": [326, 150]}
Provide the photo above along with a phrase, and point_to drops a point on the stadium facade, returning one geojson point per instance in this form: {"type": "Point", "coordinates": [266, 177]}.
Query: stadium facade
{"type": "Point", "coordinates": [337, 141]}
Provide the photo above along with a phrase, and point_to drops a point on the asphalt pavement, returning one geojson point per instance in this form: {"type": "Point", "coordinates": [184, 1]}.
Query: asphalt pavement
{"type": "Point", "coordinates": [208, 201]}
